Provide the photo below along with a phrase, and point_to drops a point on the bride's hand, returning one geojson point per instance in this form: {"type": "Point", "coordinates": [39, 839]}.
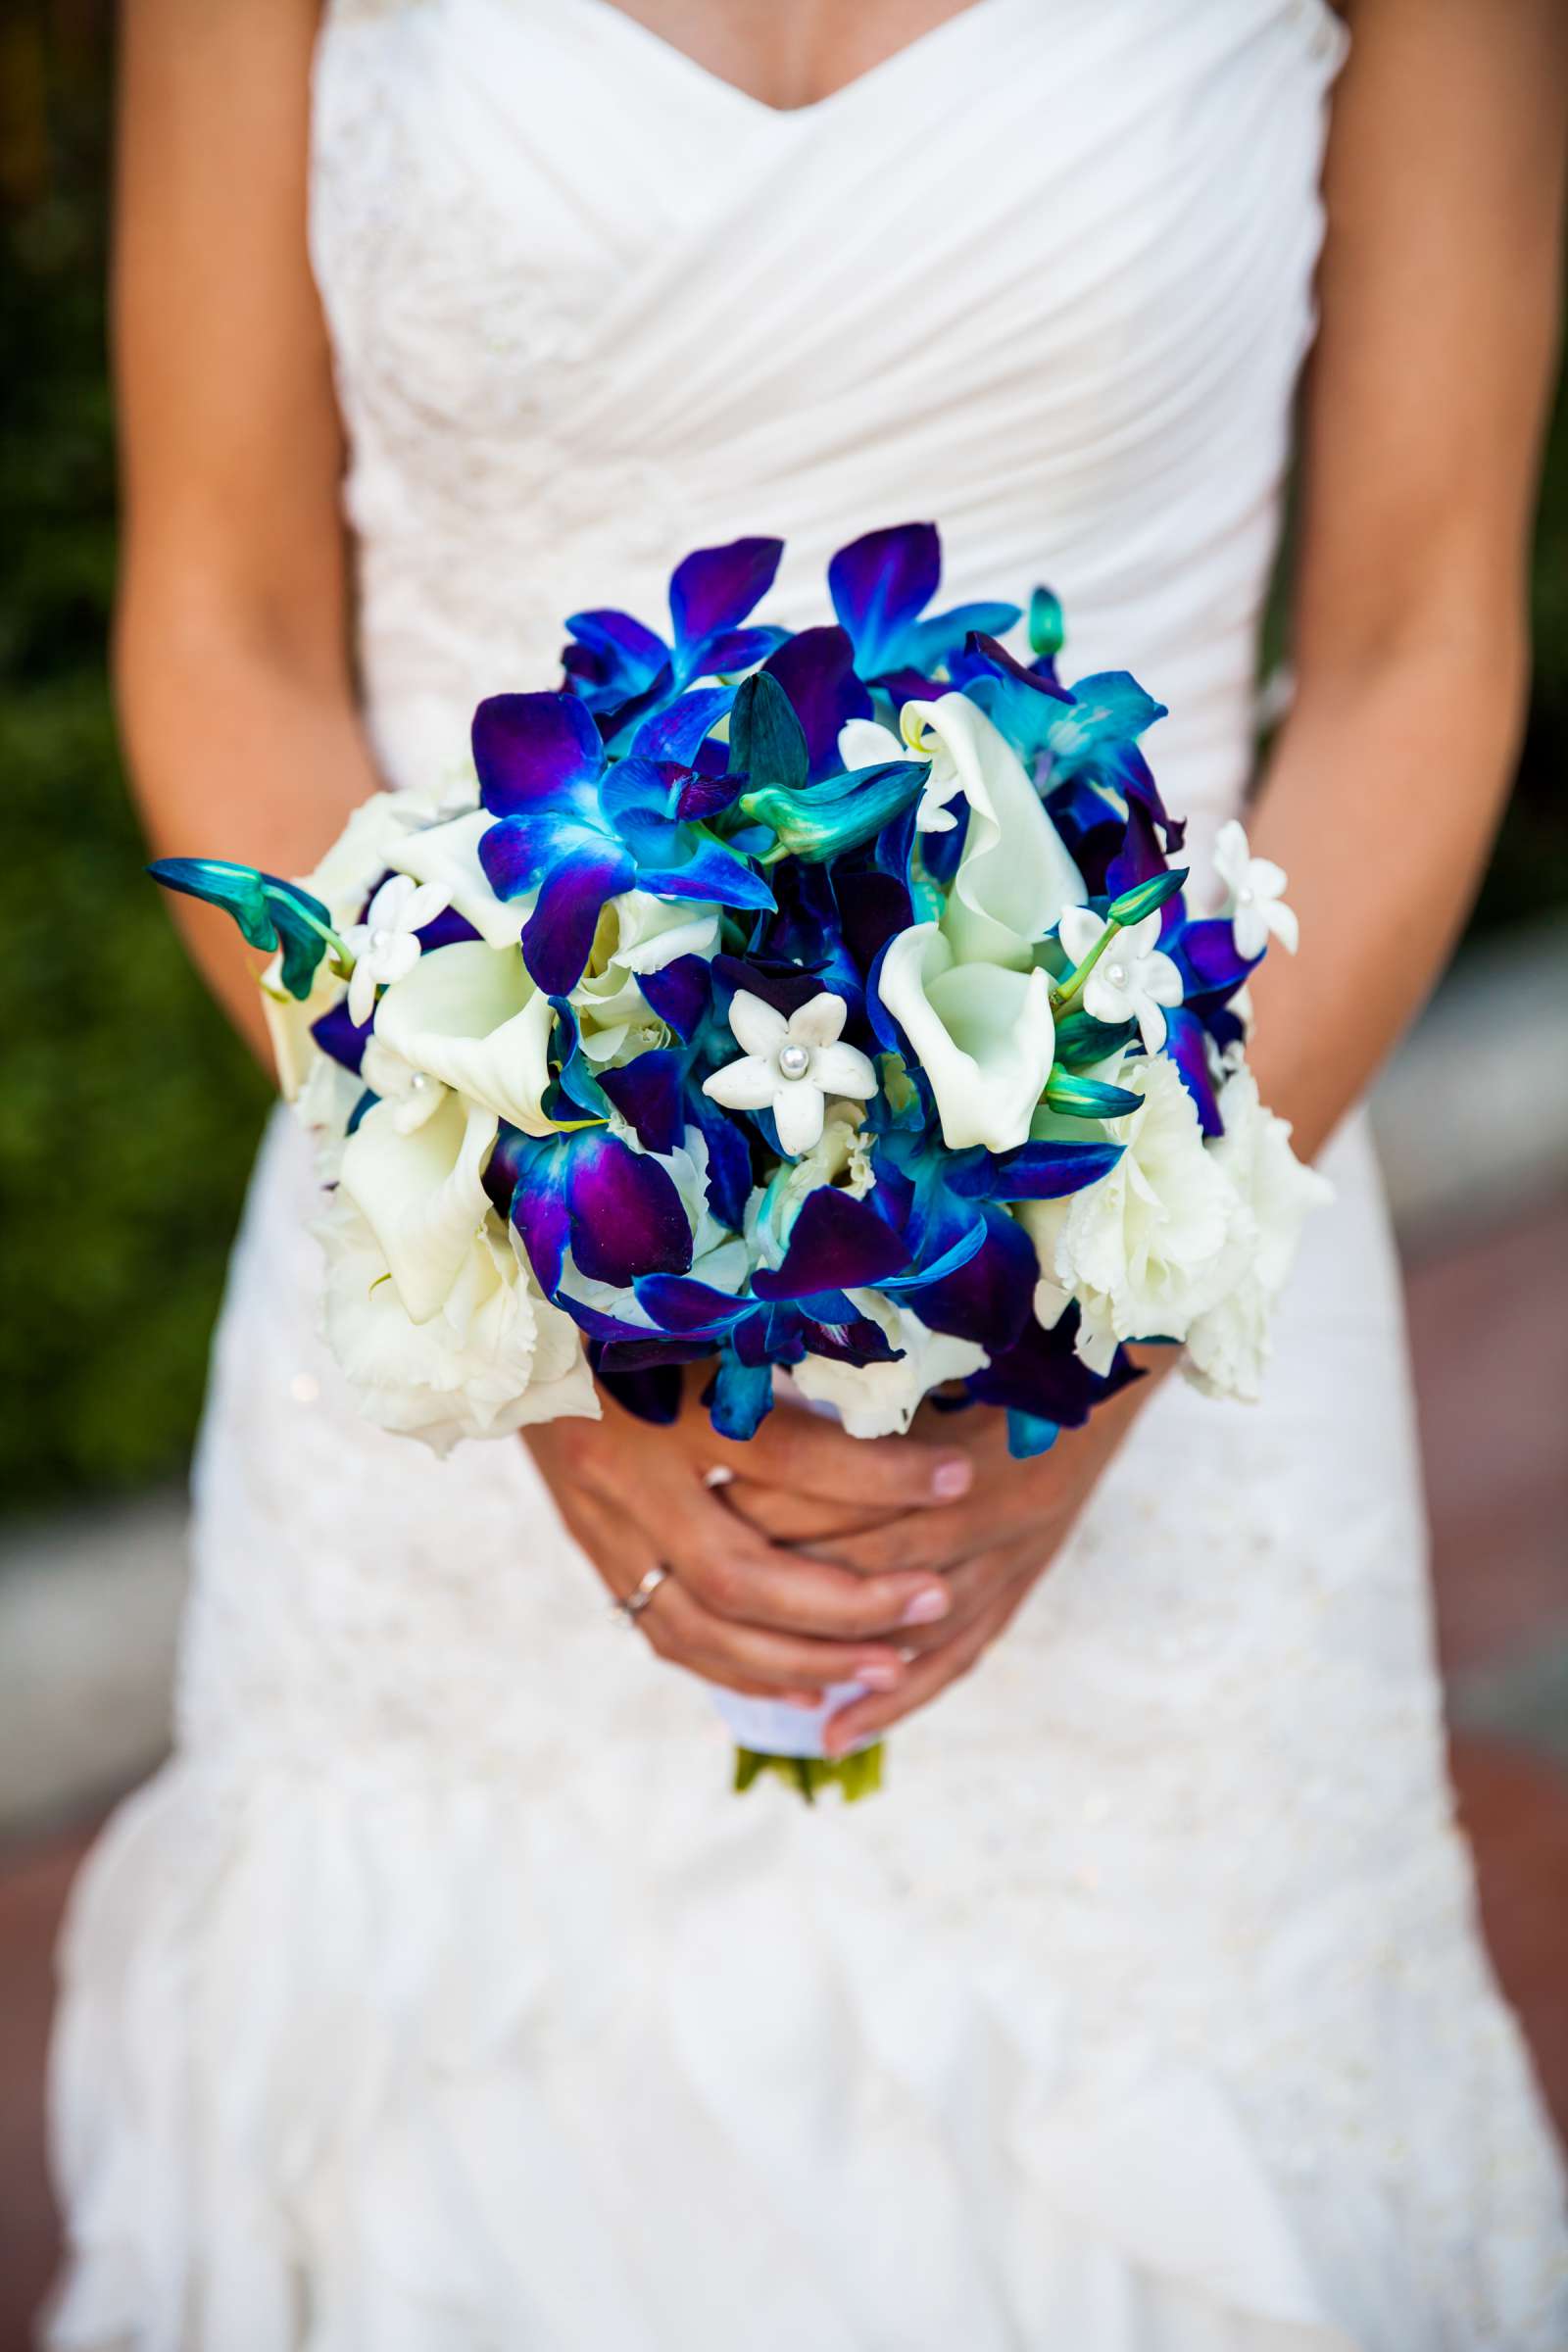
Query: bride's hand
{"type": "Point", "coordinates": [990, 1546]}
{"type": "Point", "coordinates": [734, 1607]}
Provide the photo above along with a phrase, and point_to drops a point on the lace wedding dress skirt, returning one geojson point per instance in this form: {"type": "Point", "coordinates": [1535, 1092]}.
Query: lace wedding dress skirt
{"type": "Point", "coordinates": [437, 1997]}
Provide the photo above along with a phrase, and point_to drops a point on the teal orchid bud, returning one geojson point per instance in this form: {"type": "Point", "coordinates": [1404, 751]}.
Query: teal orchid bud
{"type": "Point", "coordinates": [815, 821]}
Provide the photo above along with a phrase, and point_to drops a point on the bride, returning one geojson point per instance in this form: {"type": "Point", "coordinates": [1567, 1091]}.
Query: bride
{"type": "Point", "coordinates": [437, 1994]}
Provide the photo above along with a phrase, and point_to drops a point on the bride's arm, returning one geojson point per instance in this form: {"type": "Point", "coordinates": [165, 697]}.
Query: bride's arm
{"type": "Point", "coordinates": [1428, 398]}
{"type": "Point", "coordinates": [230, 644]}
{"type": "Point", "coordinates": [1423, 417]}
{"type": "Point", "coordinates": [239, 718]}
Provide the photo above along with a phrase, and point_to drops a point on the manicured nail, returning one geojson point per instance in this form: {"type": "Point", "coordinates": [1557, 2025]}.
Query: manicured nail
{"type": "Point", "coordinates": [926, 1608]}
{"type": "Point", "coordinates": [954, 1478]}
{"type": "Point", "coordinates": [878, 1674]}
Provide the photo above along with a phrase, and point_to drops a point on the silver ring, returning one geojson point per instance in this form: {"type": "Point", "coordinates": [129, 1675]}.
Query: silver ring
{"type": "Point", "coordinates": [632, 1606]}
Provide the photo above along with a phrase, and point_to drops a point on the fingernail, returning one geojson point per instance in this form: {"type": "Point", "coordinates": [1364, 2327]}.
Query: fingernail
{"type": "Point", "coordinates": [954, 1478]}
{"type": "Point", "coordinates": [926, 1608]}
{"type": "Point", "coordinates": [809, 1699]}
{"type": "Point", "coordinates": [878, 1674]}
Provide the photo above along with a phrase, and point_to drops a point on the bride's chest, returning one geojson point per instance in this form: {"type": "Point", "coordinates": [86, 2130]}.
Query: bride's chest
{"type": "Point", "coordinates": [532, 210]}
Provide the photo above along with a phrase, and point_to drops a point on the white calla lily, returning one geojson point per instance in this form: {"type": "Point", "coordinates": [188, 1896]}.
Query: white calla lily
{"type": "Point", "coordinates": [448, 856]}
{"type": "Point", "coordinates": [470, 1017]}
{"type": "Point", "coordinates": [982, 1033]}
{"type": "Point", "coordinates": [421, 1195]}
{"type": "Point", "coordinates": [1015, 875]}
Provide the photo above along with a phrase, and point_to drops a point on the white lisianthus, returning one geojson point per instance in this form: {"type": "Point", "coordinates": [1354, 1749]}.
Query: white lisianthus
{"type": "Point", "coordinates": [1143, 1251]}
{"type": "Point", "coordinates": [880, 1400]}
{"type": "Point", "coordinates": [496, 1357]}
{"type": "Point", "coordinates": [1256, 899]}
{"type": "Point", "coordinates": [421, 1195]}
{"type": "Point", "coordinates": [982, 1033]}
{"type": "Point", "coordinates": [1228, 1345]}
{"type": "Point", "coordinates": [470, 1017]}
{"type": "Point", "coordinates": [791, 1066]}
{"type": "Point", "coordinates": [1132, 980]}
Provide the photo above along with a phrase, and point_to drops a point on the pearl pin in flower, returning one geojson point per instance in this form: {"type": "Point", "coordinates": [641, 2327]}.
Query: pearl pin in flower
{"type": "Point", "coordinates": [790, 1066]}
{"type": "Point", "coordinates": [1134, 981]}
{"type": "Point", "coordinates": [1256, 887]}
{"type": "Point", "coordinates": [385, 946]}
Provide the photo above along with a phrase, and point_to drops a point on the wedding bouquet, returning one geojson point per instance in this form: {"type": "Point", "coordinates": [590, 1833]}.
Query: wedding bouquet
{"type": "Point", "coordinates": [822, 1005]}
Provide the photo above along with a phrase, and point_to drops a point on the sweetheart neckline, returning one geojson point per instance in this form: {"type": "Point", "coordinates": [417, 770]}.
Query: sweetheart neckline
{"type": "Point", "coordinates": [682, 61]}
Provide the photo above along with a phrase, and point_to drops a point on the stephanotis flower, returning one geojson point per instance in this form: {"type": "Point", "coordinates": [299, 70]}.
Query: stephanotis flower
{"type": "Point", "coordinates": [791, 1066]}
{"type": "Point", "coordinates": [386, 946]}
{"type": "Point", "coordinates": [880, 586]}
{"type": "Point", "coordinates": [1132, 980]}
{"type": "Point", "coordinates": [1256, 901]}
{"type": "Point", "coordinates": [576, 829]}
{"type": "Point", "coordinates": [618, 666]}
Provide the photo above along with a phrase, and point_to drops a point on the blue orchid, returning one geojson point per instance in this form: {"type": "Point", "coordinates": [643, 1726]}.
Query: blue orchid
{"type": "Point", "coordinates": [940, 1200]}
{"type": "Point", "coordinates": [1043, 1386]}
{"type": "Point", "coordinates": [620, 669]}
{"type": "Point", "coordinates": [880, 586]}
{"type": "Point", "coordinates": [836, 1244]}
{"type": "Point", "coordinates": [579, 828]}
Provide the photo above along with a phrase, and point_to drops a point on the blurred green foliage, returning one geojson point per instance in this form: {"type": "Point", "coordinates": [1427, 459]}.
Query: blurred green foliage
{"type": "Point", "coordinates": [127, 1113]}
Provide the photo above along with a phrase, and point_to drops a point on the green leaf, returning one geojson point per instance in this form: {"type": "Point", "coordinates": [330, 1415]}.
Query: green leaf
{"type": "Point", "coordinates": [1146, 898]}
{"type": "Point", "coordinates": [767, 741]}
{"type": "Point", "coordinates": [1088, 1097]}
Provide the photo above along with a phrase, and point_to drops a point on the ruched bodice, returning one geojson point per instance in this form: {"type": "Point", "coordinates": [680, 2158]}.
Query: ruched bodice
{"type": "Point", "coordinates": [438, 1996]}
{"type": "Point", "coordinates": [1045, 275]}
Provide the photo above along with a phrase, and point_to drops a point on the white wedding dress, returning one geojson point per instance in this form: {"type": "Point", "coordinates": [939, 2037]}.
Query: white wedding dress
{"type": "Point", "coordinates": [438, 1996]}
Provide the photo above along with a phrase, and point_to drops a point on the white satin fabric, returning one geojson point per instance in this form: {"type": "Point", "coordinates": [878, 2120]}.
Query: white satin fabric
{"type": "Point", "coordinates": [437, 1997]}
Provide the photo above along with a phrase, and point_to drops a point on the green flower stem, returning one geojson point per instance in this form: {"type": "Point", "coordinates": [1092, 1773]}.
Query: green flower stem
{"type": "Point", "coordinates": [345, 960]}
{"type": "Point", "coordinates": [1064, 1001]}
{"type": "Point", "coordinates": [858, 1774]}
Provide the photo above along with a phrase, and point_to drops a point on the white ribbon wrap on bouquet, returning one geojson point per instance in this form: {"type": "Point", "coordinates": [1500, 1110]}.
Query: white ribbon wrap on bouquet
{"type": "Point", "coordinates": [765, 1725]}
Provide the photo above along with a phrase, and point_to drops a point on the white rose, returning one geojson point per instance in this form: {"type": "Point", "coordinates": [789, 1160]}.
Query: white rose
{"type": "Point", "coordinates": [1228, 1345]}
{"type": "Point", "coordinates": [496, 1359]}
{"type": "Point", "coordinates": [1143, 1251]}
